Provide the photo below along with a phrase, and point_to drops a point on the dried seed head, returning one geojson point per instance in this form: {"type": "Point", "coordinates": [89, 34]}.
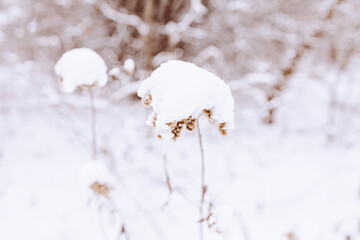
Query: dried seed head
{"type": "Point", "coordinates": [147, 99]}
{"type": "Point", "coordinates": [222, 129]}
{"type": "Point", "coordinates": [176, 128]}
{"type": "Point", "coordinates": [221, 126]}
{"type": "Point", "coordinates": [291, 236]}
{"type": "Point", "coordinates": [154, 121]}
{"type": "Point", "coordinates": [208, 113]}
{"type": "Point", "coordinates": [81, 67]}
{"type": "Point", "coordinates": [190, 124]}
{"type": "Point", "coordinates": [193, 95]}
{"type": "Point", "coordinates": [84, 86]}
{"type": "Point", "coordinates": [101, 189]}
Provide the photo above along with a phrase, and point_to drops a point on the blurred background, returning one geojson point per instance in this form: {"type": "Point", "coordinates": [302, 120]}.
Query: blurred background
{"type": "Point", "coordinates": [290, 170]}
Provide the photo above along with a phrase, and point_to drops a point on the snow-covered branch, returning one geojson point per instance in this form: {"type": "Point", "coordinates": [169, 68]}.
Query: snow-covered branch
{"type": "Point", "coordinates": [123, 18]}
{"type": "Point", "coordinates": [197, 10]}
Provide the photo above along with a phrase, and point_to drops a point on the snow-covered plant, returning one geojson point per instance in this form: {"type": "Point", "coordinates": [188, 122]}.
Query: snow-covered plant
{"type": "Point", "coordinates": [179, 92]}
{"type": "Point", "coordinates": [97, 179]}
{"type": "Point", "coordinates": [129, 66]}
{"type": "Point", "coordinates": [82, 67]}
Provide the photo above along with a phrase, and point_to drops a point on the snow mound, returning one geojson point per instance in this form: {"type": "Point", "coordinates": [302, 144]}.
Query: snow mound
{"type": "Point", "coordinates": [129, 66]}
{"type": "Point", "coordinates": [179, 92]}
{"type": "Point", "coordinates": [81, 67]}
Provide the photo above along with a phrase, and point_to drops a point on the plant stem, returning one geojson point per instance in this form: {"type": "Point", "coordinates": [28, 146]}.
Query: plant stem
{"type": "Point", "coordinates": [203, 186]}
{"type": "Point", "coordinates": [148, 15]}
{"type": "Point", "coordinates": [93, 124]}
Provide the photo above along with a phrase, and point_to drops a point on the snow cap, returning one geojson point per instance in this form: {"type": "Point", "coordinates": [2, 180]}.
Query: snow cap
{"type": "Point", "coordinates": [81, 67]}
{"type": "Point", "coordinates": [129, 66]}
{"type": "Point", "coordinates": [179, 92]}
{"type": "Point", "coordinates": [96, 178]}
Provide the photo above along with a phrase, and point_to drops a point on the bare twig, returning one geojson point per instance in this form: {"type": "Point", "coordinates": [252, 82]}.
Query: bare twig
{"type": "Point", "coordinates": [203, 186]}
{"type": "Point", "coordinates": [196, 11]}
{"type": "Point", "coordinates": [123, 18]}
{"type": "Point", "coordinates": [148, 16]}
{"type": "Point", "coordinates": [168, 182]}
{"type": "Point", "coordinates": [122, 233]}
{"type": "Point", "coordinates": [289, 71]}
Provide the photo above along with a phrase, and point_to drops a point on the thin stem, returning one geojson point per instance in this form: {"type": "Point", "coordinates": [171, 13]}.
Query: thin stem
{"type": "Point", "coordinates": [93, 124]}
{"type": "Point", "coordinates": [168, 183]}
{"type": "Point", "coordinates": [148, 15]}
{"type": "Point", "coordinates": [203, 186]}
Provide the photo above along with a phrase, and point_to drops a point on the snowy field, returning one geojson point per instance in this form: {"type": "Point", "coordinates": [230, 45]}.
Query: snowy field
{"type": "Point", "coordinates": [297, 179]}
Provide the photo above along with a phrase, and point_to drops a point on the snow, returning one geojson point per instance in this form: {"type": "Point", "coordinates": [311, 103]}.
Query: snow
{"type": "Point", "coordinates": [115, 71]}
{"type": "Point", "coordinates": [297, 179]}
{"type": "Point", "coordinates": [129, 66]}
{"type": "Point", "coordinates": [264, 181]}
{"type": "Point", "coordinates": [181, 91]}
{"type": "Point", "coordinates": [81, 67]}
{"type": "Point", "coordinates": [198, 7]}
{"type": "Point", "coordinates": [96, 181]}
{"type": "Point", "coordinates": [95, 171]}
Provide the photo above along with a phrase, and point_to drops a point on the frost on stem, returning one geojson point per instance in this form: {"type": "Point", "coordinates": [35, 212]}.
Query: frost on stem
{"type": "Point", "coordinates": [81, 67]}
{"type": "Point", "coordinates": [180, 92]}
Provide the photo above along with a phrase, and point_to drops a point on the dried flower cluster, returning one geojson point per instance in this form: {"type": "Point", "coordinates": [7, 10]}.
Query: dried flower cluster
{"type": "Point", "coordinates": [176, 127]}
{"type": "Point", "coordinates": [189, 123]}
{"type": "Point", "coordinates": [81, 67]}
{"type": "Point", "coordinates": [97, 180]}
{"type": "Point", "coordinates": [179, 93]}
{"type": "Point", "coordinates": [101, 189]}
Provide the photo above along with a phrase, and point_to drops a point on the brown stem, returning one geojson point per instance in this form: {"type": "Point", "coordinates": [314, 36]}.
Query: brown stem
{"type": "Point", "coordinates": [148, 15]}
{"type": "Point", "coordinates": [93, 124]}
{"type": "Point", "coordinates": [168, 183]}
{"type": "Point", "coordinates": [203, 186]}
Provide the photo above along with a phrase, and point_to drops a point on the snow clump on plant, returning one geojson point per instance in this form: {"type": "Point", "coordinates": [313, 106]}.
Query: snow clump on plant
{"type": "Point", "coordinates": [179, 92]}
{"type": "Point", "coordinates": [81, 67]}
{"type": "Point", "coordinates": [129, 66]}
{"type": "Point", "coordinates": [96, 178]}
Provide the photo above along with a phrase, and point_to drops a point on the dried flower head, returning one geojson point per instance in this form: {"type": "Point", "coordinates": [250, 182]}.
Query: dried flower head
{"type": "Point", "coordinates": [180, 92]}
{"type": "Point", "coordinates": [101, 189]}
{"type": "Point", "coordinates": [147, 99]}
{"type": "Point", "coordinates": [95, 176]}
{"type": "Point", "coordinates": [81, 67]}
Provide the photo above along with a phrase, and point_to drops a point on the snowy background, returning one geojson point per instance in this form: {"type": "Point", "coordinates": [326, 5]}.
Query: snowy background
{"type": "Point", "coordinates": [290, 170]}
